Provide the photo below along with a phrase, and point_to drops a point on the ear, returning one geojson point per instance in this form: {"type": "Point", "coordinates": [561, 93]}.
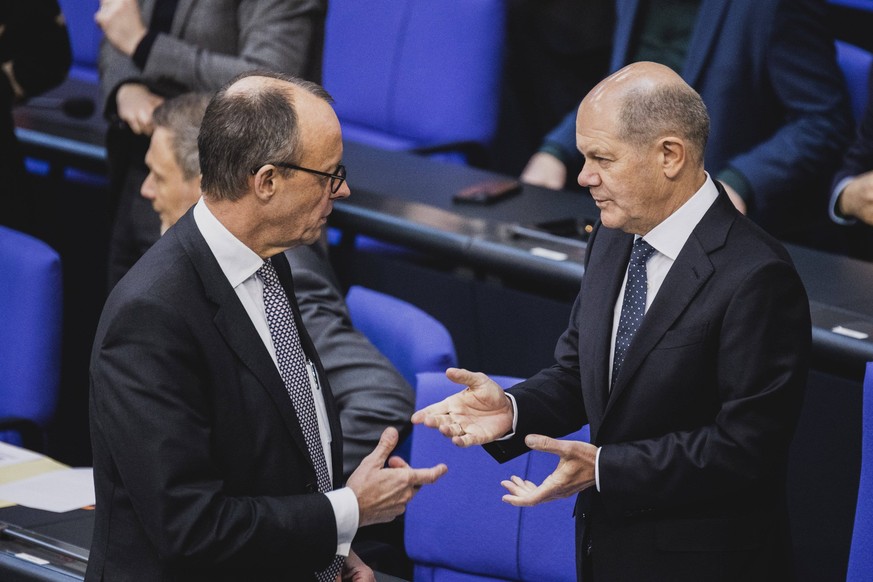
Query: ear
{"type": "Point", "coordinates": [264, 182]}
{"type": "Point", "coordinates": [673, 155]}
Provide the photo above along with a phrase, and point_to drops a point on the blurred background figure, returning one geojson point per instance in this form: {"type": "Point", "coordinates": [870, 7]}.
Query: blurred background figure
{"type": "Point", "coordinates": [766, 70]}
{"type": "Point", "coordinates": [154, 49]}
{"type": "Point", "coordinates": [852, 193]}
{"type": "Point", "coordinates": [34, 57]}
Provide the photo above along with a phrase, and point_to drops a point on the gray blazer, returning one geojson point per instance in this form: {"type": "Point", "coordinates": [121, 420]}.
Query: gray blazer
{"type": "Point", "coordinates": [212, 41]}
{"type": "Point", "coordinates": [370, 393]}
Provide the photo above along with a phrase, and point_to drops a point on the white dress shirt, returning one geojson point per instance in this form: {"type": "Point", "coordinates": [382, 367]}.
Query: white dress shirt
{"type": "Point", "coordinates": [240, 264]}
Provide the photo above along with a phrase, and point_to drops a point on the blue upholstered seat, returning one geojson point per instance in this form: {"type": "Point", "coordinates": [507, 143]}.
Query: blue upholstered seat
{"type": "Point", "coordinates": [861, 554]}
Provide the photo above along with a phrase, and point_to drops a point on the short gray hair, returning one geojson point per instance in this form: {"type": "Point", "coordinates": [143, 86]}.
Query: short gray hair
{"type": "Point", "coordinates": [646, 115]}
{"type": "Point", "coordinates": [243, 130]}
{"type": "Point", "coordinates": [181, 116]}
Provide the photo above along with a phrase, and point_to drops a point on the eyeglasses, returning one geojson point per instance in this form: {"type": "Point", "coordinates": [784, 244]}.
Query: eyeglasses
{"type": "Point", "coordinates": [336, 179]}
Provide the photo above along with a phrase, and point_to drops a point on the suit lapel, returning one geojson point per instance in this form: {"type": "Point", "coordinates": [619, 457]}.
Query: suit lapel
{"type": "Point", "coordinates": [181, 17]}
{"type": "Point", "coordinates": [710, 19]}
{"type": "Point", "coordinates": [688, 274]}
{"type": "Point", "coordinates": [235, 326]}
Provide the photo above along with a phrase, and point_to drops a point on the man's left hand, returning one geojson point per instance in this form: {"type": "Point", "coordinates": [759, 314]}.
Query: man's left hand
{"type": "Point", "coordinates": [122, 25]}
{"type": "Point", "coordinates": [575, 472]}
{"type": "Point", "coordinates": [736, 199]}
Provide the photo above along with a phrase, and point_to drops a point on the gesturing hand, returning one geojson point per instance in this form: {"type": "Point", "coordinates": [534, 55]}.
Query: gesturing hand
{"type": "Point", "coordinates": [477, 415]}
{"type": "Point", "coordinates": [383, 492]}
{"type": "Point", "coordinates": [574, 473]}
{"type": "Point", "coordinates": [122, 24]}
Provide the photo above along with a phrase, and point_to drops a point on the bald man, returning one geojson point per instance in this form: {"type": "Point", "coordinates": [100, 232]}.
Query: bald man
{"type": "Point", "coordinates": [686, 353]}
{"type": "Point", "coordinates": [216, 437]}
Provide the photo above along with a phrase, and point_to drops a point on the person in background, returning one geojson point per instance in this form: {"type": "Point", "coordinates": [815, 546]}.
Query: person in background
{"type": "Point", "coordinates": [34, 57]}
{"type": "Point", "coordinates": [216, 436]}
{"type": "Point", "coordinates": [767, 71]}
{"type": "Point", "coordinates": [154, 49]}
{"type": "Point", "coordinates": [852, 191]}
{"type": "Point", "coordinates": [686, 352]}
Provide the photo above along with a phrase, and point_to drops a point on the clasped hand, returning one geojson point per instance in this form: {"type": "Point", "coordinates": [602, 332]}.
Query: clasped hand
{"type": "Point", "coordinates": [482, 413]}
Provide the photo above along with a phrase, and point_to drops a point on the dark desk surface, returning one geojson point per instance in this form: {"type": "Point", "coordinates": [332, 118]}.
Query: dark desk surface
{"type": "Point", "coordinates": [407, 199]}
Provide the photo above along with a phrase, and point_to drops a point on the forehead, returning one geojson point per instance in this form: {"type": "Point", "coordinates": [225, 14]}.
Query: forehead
{"type": "Point", "coordinates": [160, 150]}
{"type": "Point", "coordinates": [597, 128]}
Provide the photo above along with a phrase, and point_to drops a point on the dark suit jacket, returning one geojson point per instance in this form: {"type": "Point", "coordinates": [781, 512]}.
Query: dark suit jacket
{"type": "Point", "coordinates": [767, 71]}
{"type": "Point", "coordinates": [695, 432]}
{"type": "Point", "coordinates": [200, 467]}
{"type": "Point", "coordinates": [859, 160]}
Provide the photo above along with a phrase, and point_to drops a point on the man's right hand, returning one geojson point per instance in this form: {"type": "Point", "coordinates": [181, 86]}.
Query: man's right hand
{"type": "Point", "coordinates": [856, 199]}
{"type": "Point", "coordinates": [135, 105]}
{"type": "Point", "coordinates": [477, 415]}
{"type": "Point", "coordinates": [545, 170]}
{"type": "Point", "coordinates": [383, 492]}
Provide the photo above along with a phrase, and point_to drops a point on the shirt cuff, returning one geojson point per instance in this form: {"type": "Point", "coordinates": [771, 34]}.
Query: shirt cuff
{"type": "Point", "coordinates": [141, 54]}
{"type": "Point", "coordinates": [511, 433]}
{"type": "Point", "coordinates": [597, 470]}
{"type": "Point", "coordinates": [347, 513]}
{"type": "Point", "coordinates": [835, 198]}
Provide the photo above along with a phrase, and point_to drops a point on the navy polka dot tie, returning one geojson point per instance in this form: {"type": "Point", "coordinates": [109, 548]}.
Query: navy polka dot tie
{"type": "Point", "coordinates": [292, 367]}
{"type": "Point", "coordinates": [633, 307]}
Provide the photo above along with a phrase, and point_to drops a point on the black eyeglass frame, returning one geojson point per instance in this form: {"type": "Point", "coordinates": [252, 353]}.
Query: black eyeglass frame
{"type": "Point", "coordinates": [336, 179]}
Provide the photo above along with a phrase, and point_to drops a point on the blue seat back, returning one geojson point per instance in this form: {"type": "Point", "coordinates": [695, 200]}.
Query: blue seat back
{"type": "Point", "coordinates": [861, 553]}
{"type": "Point", "coordinates": [410, 338]}
{"type": "Point", "coordinates": [30, 328]}
{"type": "Point", "coordinates": [855, 63]}
{"type": "Point", "coordinates": [459, 529]}
{"type": "Point", "coordinates": [410, 74]}
{"type": "Point", "coordinates": [85, 37]}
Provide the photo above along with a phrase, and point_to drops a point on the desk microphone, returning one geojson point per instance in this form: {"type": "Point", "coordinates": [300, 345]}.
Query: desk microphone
{"type": "Point", "coordinates": [75, 107]}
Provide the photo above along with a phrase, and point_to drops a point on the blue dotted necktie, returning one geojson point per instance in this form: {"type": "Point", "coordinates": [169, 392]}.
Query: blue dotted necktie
{"type": "Point", "coordinates": [633, 307]}
{"type": "Point", "coordinates": [293, 369]}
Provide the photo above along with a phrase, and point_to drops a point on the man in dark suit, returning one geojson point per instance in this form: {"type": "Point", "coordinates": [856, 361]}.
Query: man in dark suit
{"type": "Point", "coordinates": [766, 70]}
{"type": "Point", "coordinates": [689, 365]}
{"type": "Point", "coordinates": [852, 190]}
{"type": "Point", "coordinates": [217, 443]}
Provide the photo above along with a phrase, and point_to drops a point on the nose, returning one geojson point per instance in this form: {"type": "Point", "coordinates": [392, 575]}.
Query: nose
{"type": "Point", "coordinates": [588, 177]}
{"type": "Point", "coordinates": [343, 192]}
{"type": "Point", "coordinates": [147, 190]}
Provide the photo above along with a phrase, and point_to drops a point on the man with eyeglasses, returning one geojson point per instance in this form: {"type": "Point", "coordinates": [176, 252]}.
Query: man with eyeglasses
{"type": "Point", "coordinates": [216, 436]}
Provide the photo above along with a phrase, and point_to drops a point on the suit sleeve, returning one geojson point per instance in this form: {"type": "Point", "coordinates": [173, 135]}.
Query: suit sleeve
{"type": "Point", "coordinates": [369, 392]}
{"type": "Point", "coordinates": [152, 412]}
{"type": "Point", "coordinates": [763, 342]}
{"type": "Point", "coordinates": [859, 158]}
{"type": "Point", "coordinates": [802, 71]}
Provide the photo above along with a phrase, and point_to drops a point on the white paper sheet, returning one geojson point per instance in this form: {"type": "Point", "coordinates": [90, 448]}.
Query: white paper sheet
{"type": "Point", "coordinates": [61, 490]}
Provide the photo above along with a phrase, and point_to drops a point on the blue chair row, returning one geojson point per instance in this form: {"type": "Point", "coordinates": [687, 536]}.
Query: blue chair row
{"type": "Point", "coordinates": [861, 553]}
{"type": "Point", "coordinates": [30, 337]}
{"type": "Point", "coordinates": [459, 529]}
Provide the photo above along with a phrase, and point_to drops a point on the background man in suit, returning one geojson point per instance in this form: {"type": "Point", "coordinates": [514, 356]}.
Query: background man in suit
{"type": "Point", "coordinates": [689, 365]}
{"type": "Point", "coordinates": [852, 190]}
{"type": "Point", "coordinates": [217, 443]}
{"type": "Point", "coordinates": [766, 70]}
{"type": "Point", "coordinates": [154, 49]}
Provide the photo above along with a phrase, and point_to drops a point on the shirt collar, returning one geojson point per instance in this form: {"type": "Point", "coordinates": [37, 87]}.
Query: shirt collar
{"type": "Point", "coordinates": [237, 261]}
{"type": "Point", "coordinates": [672, 233]}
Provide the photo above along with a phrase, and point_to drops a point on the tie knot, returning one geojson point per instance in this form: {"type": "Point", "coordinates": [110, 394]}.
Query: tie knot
{"type": "Point", "coordinates": [641, 252]}
{"type": "Point", "coordinates": [267, 273]}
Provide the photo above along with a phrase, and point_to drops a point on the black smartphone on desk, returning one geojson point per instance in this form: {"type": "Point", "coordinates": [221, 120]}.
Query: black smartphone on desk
{"type": "Point", "coordinates": [488, 192]}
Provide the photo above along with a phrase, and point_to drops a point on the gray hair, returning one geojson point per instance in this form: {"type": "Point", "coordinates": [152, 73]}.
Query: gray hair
{"type": "Point", "coordinates": [677, 109]}
{"type": "Point", "coordinates": [182, 116]}
{"type": "Point", "coordinates": [243, 130]}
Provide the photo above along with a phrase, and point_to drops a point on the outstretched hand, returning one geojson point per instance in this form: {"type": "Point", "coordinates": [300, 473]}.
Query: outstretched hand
{"type": "Point", "coordinates": [476, 415]}
{"type": "Point", "coordinates": [574, 473]}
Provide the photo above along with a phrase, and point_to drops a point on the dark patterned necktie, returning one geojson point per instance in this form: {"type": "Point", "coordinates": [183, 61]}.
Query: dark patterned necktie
{"type": "Point", "coordinates": [293, 369]}
{"type": "Point", "coordinates": [633, 307]}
